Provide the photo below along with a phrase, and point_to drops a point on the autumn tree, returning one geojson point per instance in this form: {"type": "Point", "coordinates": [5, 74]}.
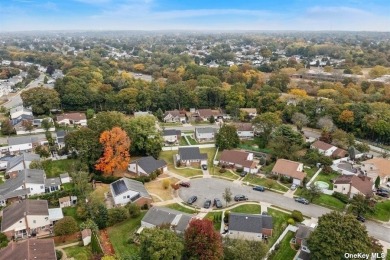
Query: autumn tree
{"type": "Point", "coordinates": [116, 145]}
{"type": "Point", "coordinates": [267, 122]}
{"type": "Point", "coordinates": [7, 127]}
{"type": "Point", "coordinates": [202, 241]}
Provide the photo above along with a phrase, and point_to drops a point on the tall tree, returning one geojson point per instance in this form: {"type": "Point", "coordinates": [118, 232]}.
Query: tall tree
{"type": "Point", "coordinates": [41, 100]}
{"type": "Point", "coordinates": [267, 122]}
{"type": "Point", "coordinates": [7, 127]}
{"type": "Point", "coordinates": [300, 120]}
{"type": "Point", "coordinates": [202, 241]}
{"type": "Point", "coordinates": [240, 249]}
{"type": "Point", "coordinates": [116, 145]}
{"type": "Point", "coordinates": [106, 120]}
{"type": "Point", "coordinates": [361, 204]}
{"type": "Point", "coordinates": [159, 244]}
{"type": "Point", "coordinates": [227, 195]}
{"type": "Point", "coordinates": [313, 192]}
{"type": "Point", "coordinates": [227, 137]}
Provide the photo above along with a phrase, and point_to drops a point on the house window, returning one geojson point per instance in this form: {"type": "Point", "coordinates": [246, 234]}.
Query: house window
{"type": "Point", "coordinates": [34, 221]}
{"type": "Point", "coordinates": [335, 186]}
{"type": "Point", "coordinates": [41, 187]}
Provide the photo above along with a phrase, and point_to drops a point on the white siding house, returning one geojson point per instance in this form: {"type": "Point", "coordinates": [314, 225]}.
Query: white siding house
{"type": "Point", "coordinates": [204, 134]}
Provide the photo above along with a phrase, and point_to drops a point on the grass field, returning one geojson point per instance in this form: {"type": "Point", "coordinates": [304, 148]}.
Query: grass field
{"type": "Point", "coordinates": [310, 172]}
{"type": "Point", "coordinates": [247, 208]}
{"type": "Point", "coordinates": [183, 141]}
{"type": "Point", "coordinates": [55, 168]}
{"type": "Point", "coordinates": [79, 252]}
{"type": "Point", "coordinates": [280, 223]}
{"type": "Point", "coordinates": [263, 181]}
{"type": "Point", "coordinates": [325, 200]}
{"type": "Point", "coordinates": [119, 236]}
{"type": "Point", "coordinates": [72, 212]}
{"type": "Point", "coordinates": [285, 251]}
{"type": "Point", "coordinates": [179, 207]}
{"type": "Point", "coordinates": [216, 218]}
{"type": "Point", "coordinates": [156, 187]}
{"type": "Point", "coordinates": [192, 140]}
{"type": "Point", "coordinates": [327, 178]}
{"type": "Point", "coordinates": [381, 211]}
{"type": "Point", "coordinates": [227, 174]}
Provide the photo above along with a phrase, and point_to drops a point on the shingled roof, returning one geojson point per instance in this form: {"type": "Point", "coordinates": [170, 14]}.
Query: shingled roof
{"type": "Point", "coordinates": [249, 222]}
{"type": "Point", "coordinates": [30, 249]}
{"type": "Point", "coordinates": [288, 168]}
{"type": "Point", "coordinates": [158, 216]}
{"type": "Point", "coordinates": [149, 164]}
{"type": "Point", "coordinates": [237, 157]}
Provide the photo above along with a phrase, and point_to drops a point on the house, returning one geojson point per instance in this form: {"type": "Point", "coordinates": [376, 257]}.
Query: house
{"type": "Point", "coordinates": [55, 214]}
{"type": "Point", "coordinates": [126, 191]}
{"type": "Point", "coordinates": [60, 138]}
{"type": "Point", "coordinates": [174, 116]}
{"type": "Point", "coordinates": [21, 162]}
{"type": "Point", "coordinates": [25, 143]}
{"type": "Point", "coordinates": [323, 148]}
{"type": "Point", "coordinates": [189, 155]}
{"type": "Point", "coordinates": [147, 165]}
{"type": "Point", "coordinates": [171, 136]}
{"type": "Point", "coordinates": [67, 201]}
{"type": "Point", "coordinates": [52, 184]}
{"type": "Point", "coordinates": [158, 216]}
{"type": "Point", "coordinates": [86, 236]}
{"type": "Point", "coordinates": [205, 114]}
{"type": "Point", "coordinates": [250, 226]}
{"type": "Point", "coordinates": [72, 119]}
{"type": "Point", "coordinates": [339, 153]}
{"type": "Point", "coordinates": [205, 134]}
{"type": "Point", "coordinates": [245, 130]}
{"type": "Point", "coordinates": [65, 178]}
{"type": "Point", "coordinates": [290, 169]}
{"type": "Point", "coordinates": [352, 184]}
{"type": "Point", "coordinates": [18, 111]}
{"type": "Point", "coordinates": [29, 217]}
{"type": "Point", "coordinates": [377, 167]}
{"type": "Point", "coordinates": [302, 234]}
{"type": "Point", "coordinates": [4, 161]}
{"type": "Point", "coordinates": [252, 112]}
{"type": "Point", "coordinates": [30, 249]}
{"type": "Point", "coordinates": [238, 160]}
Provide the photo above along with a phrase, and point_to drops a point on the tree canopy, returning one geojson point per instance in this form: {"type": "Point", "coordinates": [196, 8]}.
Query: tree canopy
{"type": "Point", "coordinates": [41, 100]}
{"type": "Point", "coordinates": [227, 137]}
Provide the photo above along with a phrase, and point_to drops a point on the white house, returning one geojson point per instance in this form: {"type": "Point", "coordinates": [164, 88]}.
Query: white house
{"type": "Point", "coordinates": [25, 143]}
{"type": "Point", "coordinates": [67, 201]}
{"type": "Point", "coordinates": [352, 185]}
{"type": "Point", "coordinates": [238, 159]}
{"type": "Point", "coordinates": [72, 119]}
{"type": "Point", "coordinates": [147, 165]}
{"type": "Point", "coordinates": [157, 216]}
{"type": "Point", "coordinates": [171, 136]}
{"type": "Point", "coordinates": [174, 116]}
{"type": "Point", "coordinates": [290, 169]}
{"type": "Point", "coordinates": [324, 148]}
{"type": "Point", "coordinates": [245, 130]}
{"type": "Point", "coordinates": [4, 161]}
{"type": "Point", "coordinates": [126, 190]}
{"type": "Point", "coordinates": [204, 134]}
{"type": "Point", "coordinates": [19, 111]}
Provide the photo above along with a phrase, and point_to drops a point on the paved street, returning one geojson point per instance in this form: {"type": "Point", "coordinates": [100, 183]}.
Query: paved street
{"type": "Point", "coordinates": [189, 127]}
{"type": "Point", "coordinates": [211, 188]}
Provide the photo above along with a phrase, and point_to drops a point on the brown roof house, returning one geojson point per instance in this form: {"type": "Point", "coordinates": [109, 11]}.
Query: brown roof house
{"type": "Point", "coordinates": [291, 169]}
{"type": "Point", "coordinates": [352, 184]}
{"type": "Point", "coordinates": [205, 114]}
{"type": "Point", "coordinates": [174, 116]}
{"type": "Point", "coordinates": [238, 159]}
{"type": "Point", "coordinates": [250, 226]}
{"type": "Point", "coordinates": [328, 149]}
{"type": "Point", "coordinates": [377, 167]}
{"type": "Point", "coordinates": [30, 249]}
{"type": "Point", "coordinates": [72, 119]}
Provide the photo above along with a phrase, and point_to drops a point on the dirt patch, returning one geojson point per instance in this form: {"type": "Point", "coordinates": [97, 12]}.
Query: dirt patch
{"type": "Point", "coordinates": [108, 249]}
{"type": "Point", "coordinates": [58, 240]}
{"type": "Point", "coordinates": [156, 187]}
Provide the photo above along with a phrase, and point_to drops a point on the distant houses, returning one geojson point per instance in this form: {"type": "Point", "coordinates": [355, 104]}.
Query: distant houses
{"type": "Point", "coordinates": [328, 149]}
{"type": "Point", "coordinates": [171, 136]}
{"type": "Point", "coordinates": [71, 119]}
{"type": "Point", "coordinates": [205, 134]}
{"type": "Point", "coordinates": [174, 116]}
{"type": "Point", "coordinates": [245, 130]}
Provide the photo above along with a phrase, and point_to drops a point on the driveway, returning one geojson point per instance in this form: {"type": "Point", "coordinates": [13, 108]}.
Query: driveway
{"type": "Point", "coordinates": [211, 188]}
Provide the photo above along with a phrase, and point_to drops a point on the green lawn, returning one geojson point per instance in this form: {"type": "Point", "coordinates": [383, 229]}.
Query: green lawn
{"type": "Point", "coordinates": [330, 202]}
{"type": "Point", "coordinates": [268, 168]}
{"type": "Point", "coordinates": [168, 157]}
{"type": "Point", "coordinates": [179, 207]}
{"type": "Point", "coordinates": [280, 223]}
{"type": "Point", "coordinates": [227, 174]}
{"type": "Point", "coordinates": [79, 252]}
{"type": "Point", "coordinates": [183, 141]}
{"type": "Point", "coordinates": [388, 254]}
{"type": "Point", "coordinates": [72, 212]}
{"type": "Point", "coordinates": [216, 218]}
{"type": "Point", "coordinates": [248, 208]}
{"type": "Point", "coordinates": [327, 178]}
{"type": "Point", "coordinates": [310, 172]}
{"type": "Point", "coordinates": [263, 181]}
{"type": "Point", "coordinates": [192, 140]}
{"type": "Point", "coordinates": [285, 251]}
{"type": "Point", "coordinates": [210, 154]}
{"type": "Point", "coordinates": [119, 236]}
{"type": "Point", "coordinates": [55, 168]}
{"type": "Point", "coordinates": [382, 211]}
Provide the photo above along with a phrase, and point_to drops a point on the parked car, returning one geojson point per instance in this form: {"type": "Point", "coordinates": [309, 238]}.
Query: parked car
{"type": "Point", "coordinates": [204, 167]}
{"type": "Point", "coordinates": [217, 203]}
{"type": "Point", "coordinates": [388, 184]}
{"type": "Point", "coordinates": [185, 184]}
{"type": "Point", "coordinates": [240, 197]}
{"type": "Point", "coordinates": [382, 194]}
{"type": "Point", "coordinates": [361, 218]}
{"type": "Point", "coordinates": [302, 200]}
{"type": "Point", "coordinates": [207, 204]}
{"type": "Point", "coordinates": [243, 174]}
{"type": "Point", "coordinates": [259, 188]}
{"type": "Point", "coordinates": [293, 187]}
{"type": "Point", "coordinates": [380, 189]}
{"type": "Point", "coordinates": [192, 199]}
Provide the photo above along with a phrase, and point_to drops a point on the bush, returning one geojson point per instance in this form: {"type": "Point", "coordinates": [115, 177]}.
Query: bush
{"type": "Point", "coordinates": [273, 176]}
{"type": "Point", "coordinates": [3, 240]}
{"type": "Point", "coordinates": [145, 206]}
{"type": "Point", "coordinates": [166, 183]}
{"type": "Point", "coordinates": [226, 217]}
{"type": "Point", "coordinates": [239, 170]}
{"type": "Point", "coordinates": [342, 197]}
{"type": "Point", "coordinates": [134, 210]}
{"type": "Point", "coordinates": [153, 176]}
{"type": "Point", "coordinates": [116, 215]}
{"type": "Point", "coordinates": [291, 221]}
{"type": "Point", "coordinates": [58, 254]}
{"type": "Point", "coordinates": [297, 216]}
{"type": "Point", "coordinates": [222, 170]}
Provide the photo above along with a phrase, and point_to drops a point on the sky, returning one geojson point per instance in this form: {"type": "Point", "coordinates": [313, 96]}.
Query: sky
{"type": "Point", "coordinates": [307, 15]}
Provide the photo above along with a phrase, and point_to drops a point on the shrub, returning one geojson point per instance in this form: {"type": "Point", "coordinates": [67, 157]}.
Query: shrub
{"type": "Point", "coordinates": [153, 176]}
{"type": "Point", "coordinates": [3, 240]}
{"type": "Point", "coordinates": [58, 254]}
{"type": "Point", "coordinates": [222, 170]}
{"type": "Point", "coordinates": [297, 215]}
{"type": "Point", "coordinates": [239, 170]}
{"type": "Point", "coordinates": [145, 206]}
{"type": "Point", "coordinates": [291, 221]}
{"type": "Point", "coordinates": [134, 210]}
{"type": "Point", "coordinates": [273, 176]}
{"type": "Point", "coordinates": [116, 215]}
{"type": "Point", "coordinates": [166, 183]}
{"type": "Point", "coordinates": [342, 197]}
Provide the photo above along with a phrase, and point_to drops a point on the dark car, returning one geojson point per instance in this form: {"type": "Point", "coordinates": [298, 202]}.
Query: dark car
{"type": "Point", "coordinates": [185, 184]}
{"type": "Point", "coordinates": [207, 204]}
{"type": "Point", "coordinates": [243, 174]}
{"type": "Point", "coordinates": [361, 218]}
{"type": "Point", "coordinates": [302, 200]}
{"type": "Point", "coordinates": [382, 194]}
{"type": "Point", "coordinates": [240, 198]}
{"type": "Point", "coordinates": [192, 199]}
{"type": "Point", "coordinates": [204, 167]}
{"type": "Point", "coordinates": [259, 188]}
{"type": "Point", "coordinates": [382, 190]}
{"type": "Point", "coordinates": [218, 203]}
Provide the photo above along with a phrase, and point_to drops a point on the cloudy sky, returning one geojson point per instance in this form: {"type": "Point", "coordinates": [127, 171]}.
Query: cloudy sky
{"type": "Point", "coordinates": [355, 15]}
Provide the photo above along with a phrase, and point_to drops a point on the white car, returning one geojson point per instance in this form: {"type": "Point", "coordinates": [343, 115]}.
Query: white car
{"type": "Point", "coordinates": [293, 187]}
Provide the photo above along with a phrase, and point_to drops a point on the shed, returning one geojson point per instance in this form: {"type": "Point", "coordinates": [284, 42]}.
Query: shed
{"type": "Point", "coordinates": [86, 236]}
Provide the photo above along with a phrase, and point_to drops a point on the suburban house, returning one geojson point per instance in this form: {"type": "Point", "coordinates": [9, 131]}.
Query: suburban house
{"type": "Point", "coordinates": [238, 160]}
{"type": "Point", "coordinates": [158, 216]}
{"type": "Point", "coordinates": [60, 138]}
{"type": "Point", "coordinates": [352, 184]}
{"type": "Point", "coordinates": [86, 236]}
{"type": "Point", "coordinates": [30, 249]}
{"type": "Point", "coordinates": [55, 214]}
{"type": "Point", "coordinates": [21, 162]}
{"type": "Point", "coordinates": [205, 114]}
{"type": "Point", "coordinates": [29, 217]}
{"type": "Point", "coordinates": [174, 116]}
{"type": "Point", "coordinates": [20, 125]}
{"type": "Point", "coordinates": [72, 119]}
{"type": "Point", "coordinates": [18, 111]}
{"type": "Point", "coordinates": [250, 226]}
{"type": "Point", "coordinates": [205, 134]}
{"type": "Point", "coordinates": [377, 167]}
{"type": "Point", "coordinates": [126, 190]}
{"type": "Point", "coordinates": [189, 155]}
{"type": "Point", "coordinates": [323, 148]}
{"type": "Point", "coordinates": [25, 143]}
{"type": "Point", "coordinates": [4, 161]}
{"type": "Point", "coordinates": [67, 201]}
{"type": "Point", "coordinates": [171, 136]}
{"type": "Point", "coordinates": [290, 169]}
{"type": "Point", "coordinates": [52, 184]}
{"type": "Point", "coordinates": [147, 165]}
{"type": "Point", "coordinates": [245, 130]}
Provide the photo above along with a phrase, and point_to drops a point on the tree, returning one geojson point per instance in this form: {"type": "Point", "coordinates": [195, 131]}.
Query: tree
{"type": "Point", "coordinates": [134, 210]}
{"type": "Point", "coordinates": [105, 121]}
{"type": "Point", "coordinates": [117, 215]}
{"type": "Point", "coordinates": [3, 240]}
{"type": "Point", "coordinates": [212, 119]}
{"type": "Point", "coordinates": [46, 124]}
{"type": "Point", "coordinates": [227, 137]}
{"type": "Point", "coordinates": [202, 241]}
{"type": "Point", "coordinates": [267, 122]}
{"type": "Point", "coordinates": [116, 145]}
{"type": "Point", "coordinates": [7, 128]}
{"type": "Point", "coordinates": [89, 224]}
{"type": "Point", "coordinates": [300, 120]}
{"type": "Point", "coordinates": [28, 125]}
{"type": "Point", "coordinates": [159, 244]}
{"type": "Point", "coordinates": [360, 204]}
{"type": "Point", "coordinates": [325, 123]}
{"type": "Point", "coordinates": [99, 213]}
{"type": "Point", "coordinates": [279, 80]}
{"type": "Point", "coordinates": [227, 196]}
{"type": "Point", "coordinates": [240, 249]}
{"type": "Point", "coordinates": [377, 182]}
{"type": "Point", "coordinates": [65, 226]}
{"type": "Point", "coordinates": [41, 100]}
{"type": "Point", "coordinates": [42, 151]}
{"type": "Point", "coordinates": [81, 183]}
{"type": "Point", "coordinates": [313, 192]}
{"type": "Point", "coordinates": [336, 234]}
{"type": "Point", "coordinates": [36, 164]}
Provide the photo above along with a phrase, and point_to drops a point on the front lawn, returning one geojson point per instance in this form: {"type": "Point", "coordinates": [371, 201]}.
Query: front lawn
{"type": "Point", "coordinates": [179, 207]}
{"type": "Point", "coordinates": [167, 156]}
{"type": "Point", "coordinates": [227, 173]}
{"type": "Point", "coordinates": [330, 202]}
{"type": "Point", "coordinates": [279, 222]}
{"type": "Point", "coordinates": [247, 208]}
{"type": "Point", "coordinates": [255, 180]}
{"type": "Point", "coordinates": [55, 168]}
{"type": "Point", "coordinates": [381, 211]}
{"type": "Point", "coordinates": [285, 251]}
{"type": "Point", "coordinates": [327, 177]}
{"type": "Point", "coordinates": [183, 141]}
{"type": "Point", "coordinates": [268, 168]}
{"type": "Point", "coordinates": [216, 218]}
{"type": "Point", "coordinates": [192, 140]}
{"type": "Point", "coordinates": [79, 252]}
{"type": "Point", "coordinates": [119, 236]}
{"type": "Point", "coordinates": [156, 187]}
{"type": "Point", "coordinates": [72, 212]}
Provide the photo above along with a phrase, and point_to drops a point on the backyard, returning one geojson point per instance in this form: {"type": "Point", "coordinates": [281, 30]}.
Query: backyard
{"type": "Point", "coordinates": [327, 177]}
{"type": "Point", "coordinates": [285, 250]}
{"type": "Point", "coordinates": [98, 193]}
{"type": "Point", "coordinates": [310, 172]}
{"type": "Point", "coordinates": [72, 212]}
{"type": "Point", "coordinates": [55, 168]}
{"type": "Point", "coordinates": [79, 252]}
{"type": "Point", "coordinates": [256, 180]}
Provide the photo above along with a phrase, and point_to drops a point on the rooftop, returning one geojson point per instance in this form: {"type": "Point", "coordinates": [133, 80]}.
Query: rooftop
{"type": "Point", "coordinates": [29, 249]}
{"type": "Point", "coordinates": [149, 164]}
{"type": "Point", "coordinates": [124, 184]}
{"type": "Point", "coordinates": [158, 216]}
{"type": "Point", "coordinates": [288, 168]}
{"type": "Point", "coordinates": [249, 222]}
{"type": "Point", "coordinates": [191, 153]}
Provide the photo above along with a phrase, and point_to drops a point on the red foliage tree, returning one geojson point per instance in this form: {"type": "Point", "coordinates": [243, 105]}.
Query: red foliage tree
{"type": "Point", "coordinates": [116, 155]}
{"type": "Point", "coordinates": [202, 241]}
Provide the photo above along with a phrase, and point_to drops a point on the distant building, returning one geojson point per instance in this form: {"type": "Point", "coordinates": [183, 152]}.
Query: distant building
{"type": "Point", "coordinates": [72, 119]}
{"type": "Point", "coordinates": [205, 134]}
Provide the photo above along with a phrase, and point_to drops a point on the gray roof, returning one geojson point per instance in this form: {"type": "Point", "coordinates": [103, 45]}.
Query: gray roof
{"type": "Point", "coordinates": [191, 153]}
{"type": "Point", "coordinates": [26, 139]}
{"type": "Point", "coordinates": [168, 132]}
{"type": "Point", "coordinates": [125, 184]}
{"type": "Point", "coordinates": [19, 108]}
{"type": "Point", "coordinates": [249, 223]}
{"type": "Point", "coordinates": [6, 158]}
{"type": "Point", "coordinates": [303, 232]}
{"type": "Point", "coordinates": [24, 176]}
{"type": "Point", "coordinates": [205, 130]}
{"type": "Point", "coordinates": [15, 193]}
{"type": "Point", "coordinates": [64, 175]}
{"type": "Point", "coordinates": [29, 157]}
{"type": "Point", "coordinates": [303, 255]}
{"type": "Point", "coordinates": [52, 182]}
{"type": "Point", "coordinates": [17, 211]}
{"type": "Point", "coordinates": [158, 216]}
{"type": "Point", "coordinates": [149, 164]}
